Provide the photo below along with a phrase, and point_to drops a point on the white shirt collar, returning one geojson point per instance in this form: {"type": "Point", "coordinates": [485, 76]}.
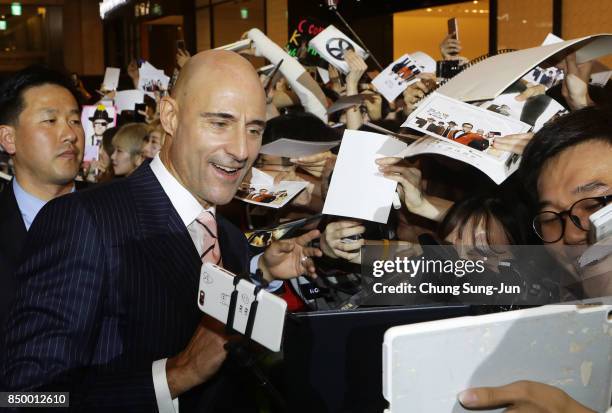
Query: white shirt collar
{"type": "Point", "coordinates": [28, 204]}
{"type": "Point", "coordinates": [185, 204]}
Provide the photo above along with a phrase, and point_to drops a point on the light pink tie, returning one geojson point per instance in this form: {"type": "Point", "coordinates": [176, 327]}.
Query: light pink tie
{"type": "Point", "coordinates": [210, 244]}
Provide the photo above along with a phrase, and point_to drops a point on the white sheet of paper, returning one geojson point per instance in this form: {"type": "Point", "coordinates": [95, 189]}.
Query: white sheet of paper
{"type": "Point", "coordinates": [331, 44]}
{"type": "Point", "coordinates": [476, 82]}
{"type": "Point", "coordinates": [438, 108]}
{"type": "Point", "coordinates": [358, 189]}
{"type": "Point", "coordinates": [345, 102]}
{"type": "Point", "coordinates": [265, 193]}
{"type": "Point", "coordinates": [290, 148]}
{"type": "Point", "coordinates": [324, 74]}
{"type": "Point", "coordinates": [397, 77]}
{"type": "Point", "coordinates": [506, 104]}
{"type": "Point", "coordinates": [111, 78]}
{"type": "Point", "coordinates": [127, 99]}
{"type": "Point", "coordinates": [601, 78]}
{"type": "Point", "coordinates": [236, 46]}
{"type": "Point", "coordinates": [425, 62]}
{"type": "Point", "coordinates": [259, 177]}
{"type": "Point", "coordinates": [91, 150]}
{"type": "Point", "coordinates": [551, 39]}
{"type": "Point", "coordinates": [151, 78]}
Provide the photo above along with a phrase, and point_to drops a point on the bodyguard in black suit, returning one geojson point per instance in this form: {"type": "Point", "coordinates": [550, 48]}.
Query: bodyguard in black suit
{"type": "Point", "coordinates": [107, 299]}
{"type": "Point", "coordinates": [40, 130]}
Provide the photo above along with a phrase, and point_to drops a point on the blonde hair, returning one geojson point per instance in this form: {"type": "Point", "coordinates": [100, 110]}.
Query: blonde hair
{"type": "Point", "coordinates": [130, 137]}
{"type": "Point", "coordinates": [156, 126]}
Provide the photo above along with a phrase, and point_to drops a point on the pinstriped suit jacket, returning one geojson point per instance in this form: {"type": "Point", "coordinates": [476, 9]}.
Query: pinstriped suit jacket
{"type": "Point", "coordinates": [108, 286]}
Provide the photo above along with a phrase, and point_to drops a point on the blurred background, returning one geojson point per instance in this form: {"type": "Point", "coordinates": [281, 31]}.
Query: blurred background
{"type": "Point", "coordinates": [85, 36]}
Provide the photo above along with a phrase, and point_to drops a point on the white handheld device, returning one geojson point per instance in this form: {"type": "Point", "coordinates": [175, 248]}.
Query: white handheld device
{"type": "Point", "coordinates": [242, 305]}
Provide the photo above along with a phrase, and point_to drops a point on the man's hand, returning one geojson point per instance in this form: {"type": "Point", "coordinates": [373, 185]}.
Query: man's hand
{"type": "Point", "coordinates": [531, 91]}
{"type": "Point", "coordinates": [373, 104]}
{"type": "Point", "coordinates": [286, 259]}
{"type": "Point", "coordinates": [450, 47]}
{"type": "Point", "coordinates": [513, 143]}
{"type": "Point", "coordinates": [200, 360]}
{"type": "Point", "coordinates": [575, 84]}
{"type": "Point", "coordinates": [357, 67]}
{"type": "Point", "coordinates": [313, 164]}
{"type": "Point", "coordinates": [409, 179]}
{"type": "Point", "coordinates": [334, 246]}
{"type": "Point", "coordinates": [417, 91]}
{"type": "Point", "coordinates": [522, 397]}
{"type": "Point", "coordinates": [328, 169]}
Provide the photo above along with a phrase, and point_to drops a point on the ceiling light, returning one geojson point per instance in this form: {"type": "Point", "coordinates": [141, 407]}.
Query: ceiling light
{"type": "Point", "coordinates": [16, 9]}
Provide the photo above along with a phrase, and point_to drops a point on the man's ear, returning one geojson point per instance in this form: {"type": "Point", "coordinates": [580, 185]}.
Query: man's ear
{"type": "Point", "coordinates": [168, 115]}
{"type": "Point", "coordinates": [7, 139]}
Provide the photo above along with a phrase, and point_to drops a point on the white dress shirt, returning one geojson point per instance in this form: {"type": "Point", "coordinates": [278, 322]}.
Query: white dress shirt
{"type": "Point", "coordinates": [29, 205]}
{"type": "Point", "coordinates": [188, 208]}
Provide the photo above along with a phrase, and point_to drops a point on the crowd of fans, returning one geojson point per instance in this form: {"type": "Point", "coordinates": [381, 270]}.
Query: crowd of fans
{"type": "Point", "coordinates": [567, 161]}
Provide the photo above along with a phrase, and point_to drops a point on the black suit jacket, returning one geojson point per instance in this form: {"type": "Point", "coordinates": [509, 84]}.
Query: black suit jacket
{"type": "Point", "coordinates": [12, 237]}
{"type": "Point", "coordinates": [108, 286]}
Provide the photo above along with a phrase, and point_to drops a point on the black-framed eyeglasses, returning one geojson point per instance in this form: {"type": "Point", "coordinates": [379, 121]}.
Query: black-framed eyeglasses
{"type": "Point", "coordinates": [550, 226]}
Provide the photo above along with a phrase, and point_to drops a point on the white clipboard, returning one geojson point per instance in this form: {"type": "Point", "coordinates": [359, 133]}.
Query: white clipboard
{"type": "Point", "coordinates": [426, 365]}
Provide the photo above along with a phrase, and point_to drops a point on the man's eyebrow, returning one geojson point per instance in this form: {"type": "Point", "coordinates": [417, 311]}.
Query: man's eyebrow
{"type": "Point", "coordinates": [591, 186]}
{"type": "Point", "coordinates": [222, 115]}
{"type": "Point", "coordinates": [49, 111]}
{"type": "Point", "coordinates": [258, 122]}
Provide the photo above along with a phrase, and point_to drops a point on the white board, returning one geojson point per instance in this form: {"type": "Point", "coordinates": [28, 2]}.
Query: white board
{"type": "Point", "coordinates": [426, 365]}
{"type": "Point", "coordinates": [331, 44]}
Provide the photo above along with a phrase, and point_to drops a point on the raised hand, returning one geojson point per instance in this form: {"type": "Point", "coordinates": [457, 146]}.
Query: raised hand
{"type": "Point", "coordinates": [335, 245]}
{"type": "Point", "coordinates": [290, 258]}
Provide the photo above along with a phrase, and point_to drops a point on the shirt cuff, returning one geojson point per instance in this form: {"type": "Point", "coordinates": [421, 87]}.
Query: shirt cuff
{"type": "Point", "coordinates": [165, 403]}
{"type": "Point", "coordinates": [273, 285]}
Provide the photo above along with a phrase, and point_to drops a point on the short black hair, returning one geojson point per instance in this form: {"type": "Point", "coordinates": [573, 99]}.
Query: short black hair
{"type": "Point", "coordinates": [301, 126]}
{"type": "Point", "coordinates": [14, 87]}
{"type": "Point", "coordinates": [588, 124]}
{"type": "Point", "coordinates": [107, 140]}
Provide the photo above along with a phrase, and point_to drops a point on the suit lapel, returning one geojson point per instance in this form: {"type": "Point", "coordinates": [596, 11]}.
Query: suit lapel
{"type": "Point", "coordinates": [167, 241]}
{"type": "Point", "coordinates": [165, 238]}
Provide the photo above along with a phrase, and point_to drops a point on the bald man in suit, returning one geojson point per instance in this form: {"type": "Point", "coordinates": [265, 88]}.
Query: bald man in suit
{"type": "Point", "coordinates": [107, 305]}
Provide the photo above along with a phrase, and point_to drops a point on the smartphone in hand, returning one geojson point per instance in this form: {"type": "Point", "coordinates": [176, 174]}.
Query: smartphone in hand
{"type": "Point", "coordinates": [453, 28]}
